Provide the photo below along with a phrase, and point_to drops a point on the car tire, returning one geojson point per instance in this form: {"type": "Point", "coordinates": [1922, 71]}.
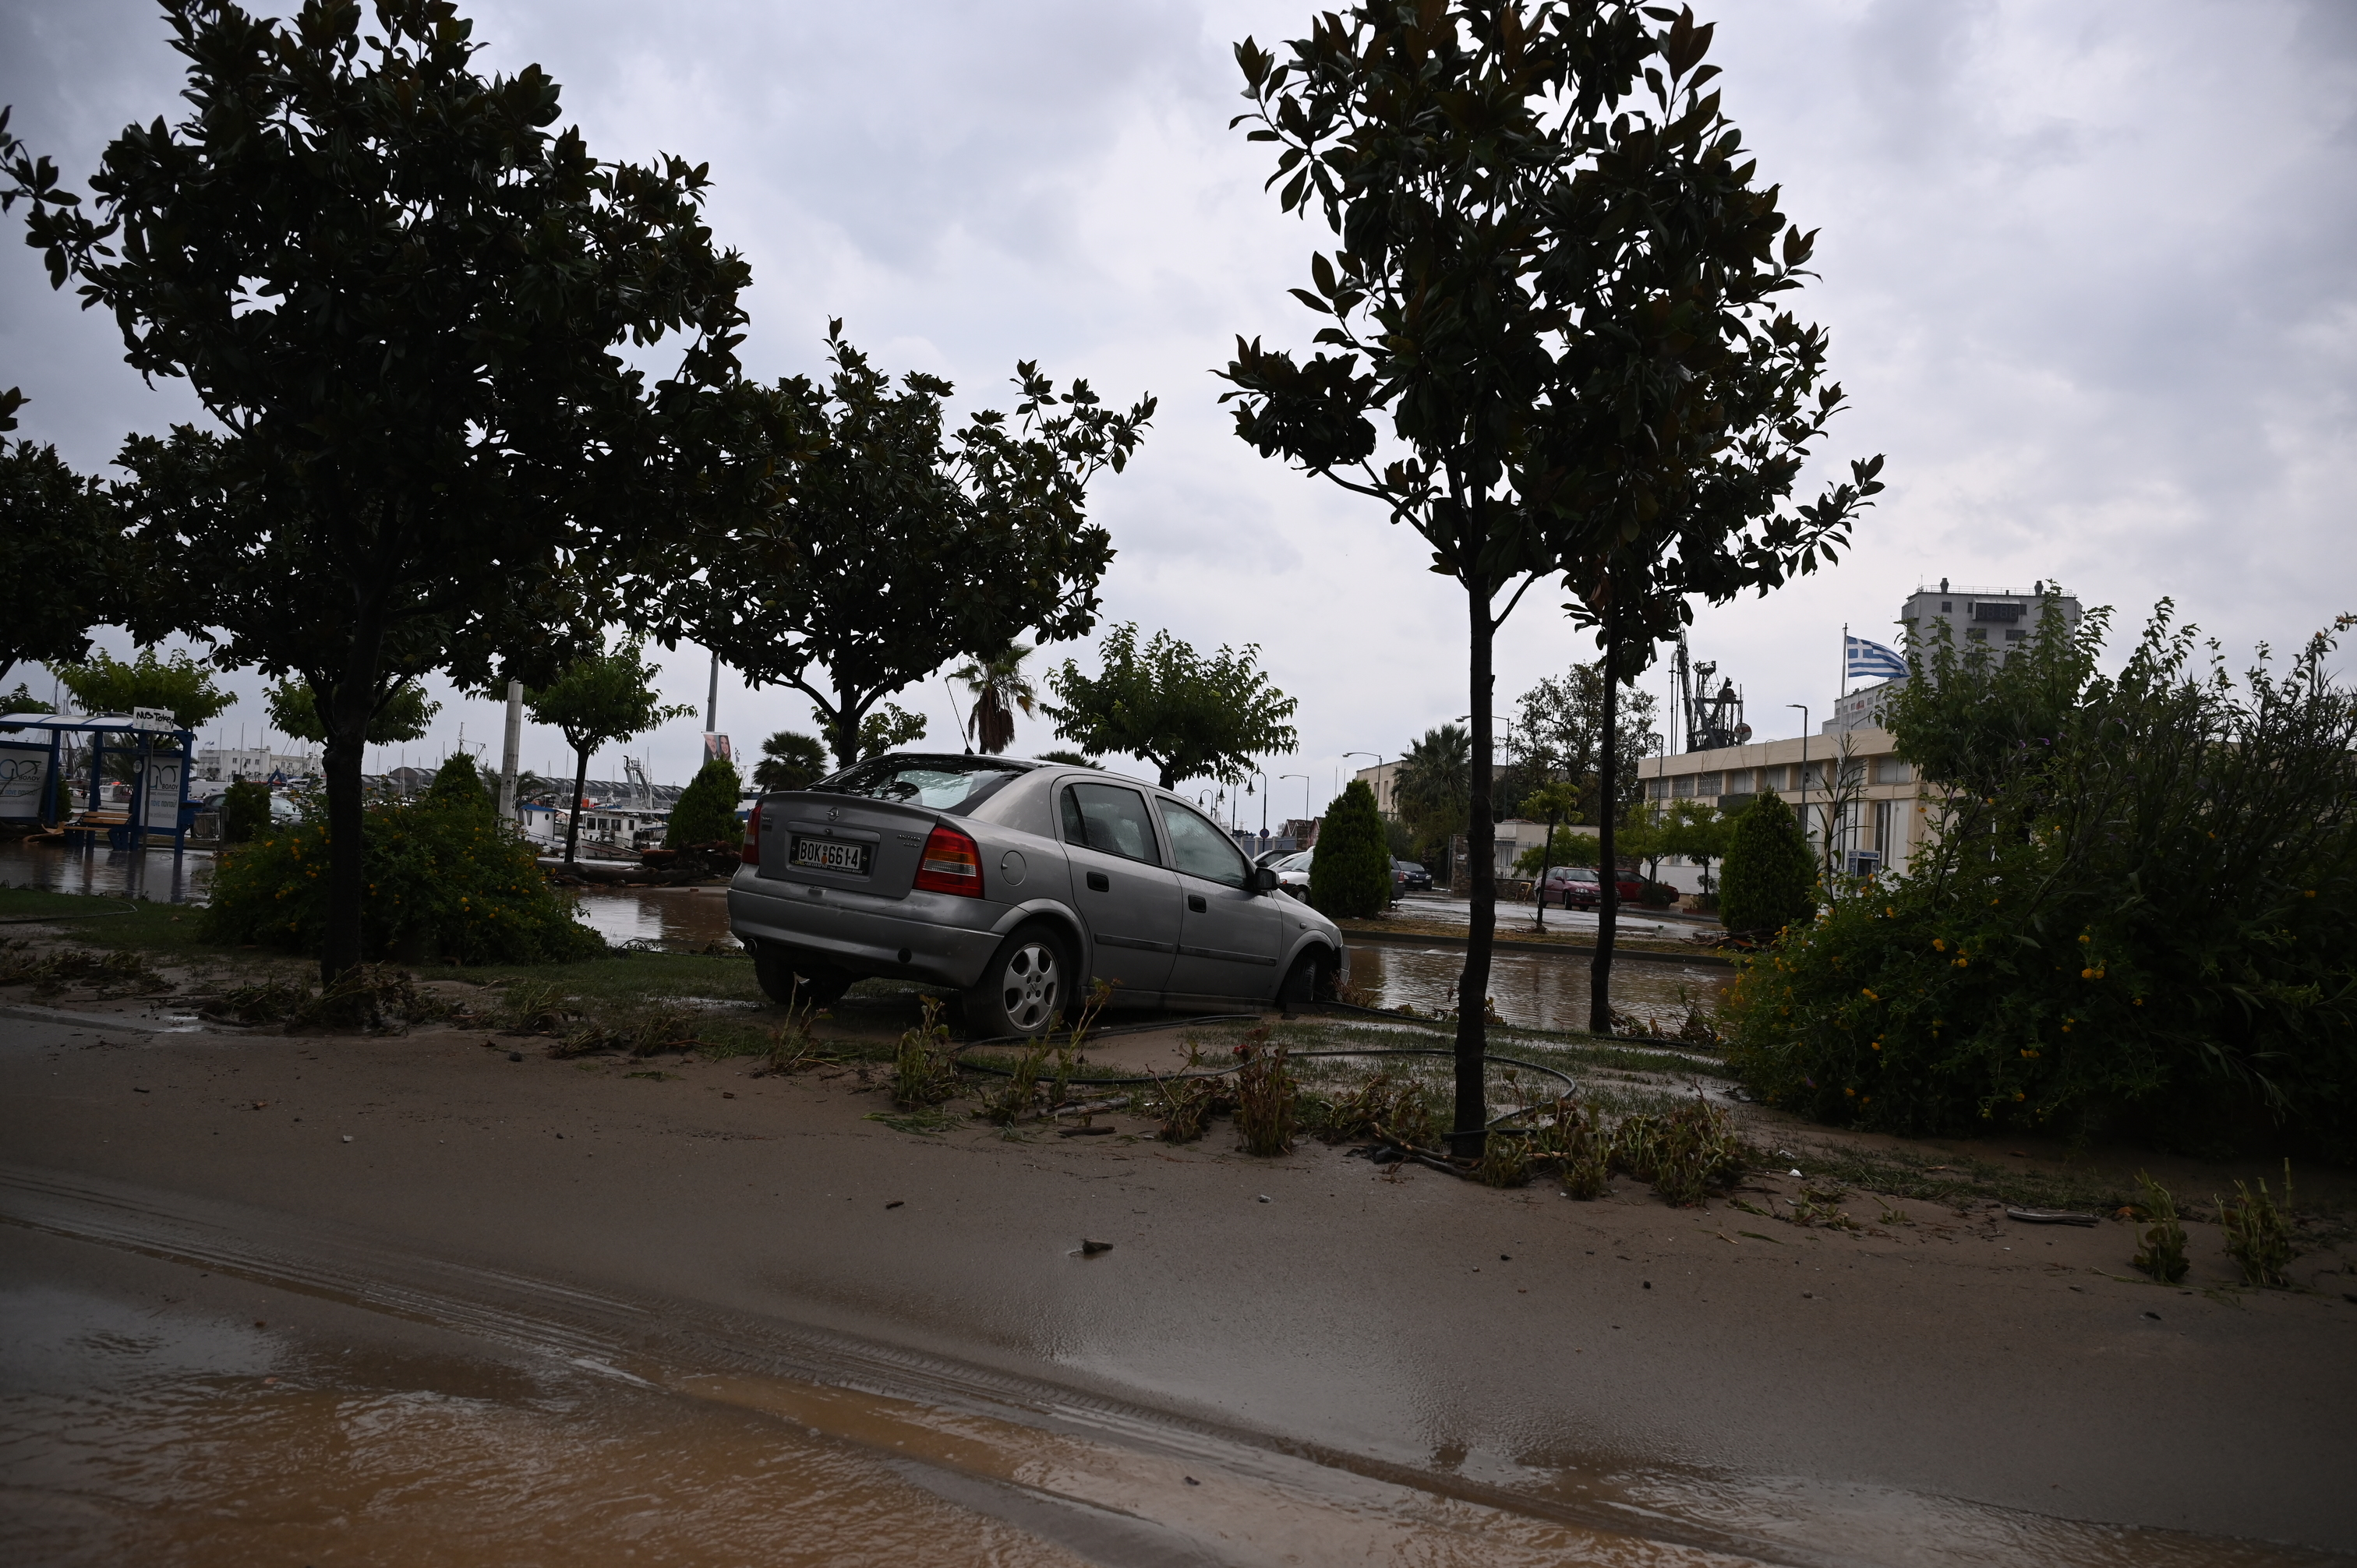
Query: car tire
{"type": "Point", "coordinates": [1309, 980]}
{"type": "Point", "coordinates": [791, 980]}
{"type": "Point", "coordinates": [1029, 983]}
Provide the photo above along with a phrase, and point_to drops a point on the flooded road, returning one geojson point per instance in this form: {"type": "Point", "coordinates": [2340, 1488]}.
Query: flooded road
{"type": "Point", "coordinates": [1540, 990]}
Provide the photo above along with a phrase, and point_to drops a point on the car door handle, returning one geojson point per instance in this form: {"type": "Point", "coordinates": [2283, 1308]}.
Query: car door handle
{"type": "Point", "coordinates": [1195, 902]}
{"type": "Point", "coordinates": [1100, 882]}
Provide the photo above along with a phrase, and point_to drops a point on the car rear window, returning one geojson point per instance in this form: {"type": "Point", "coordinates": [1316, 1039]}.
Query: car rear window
{"type": "Point", "coordinates": [936, 783]}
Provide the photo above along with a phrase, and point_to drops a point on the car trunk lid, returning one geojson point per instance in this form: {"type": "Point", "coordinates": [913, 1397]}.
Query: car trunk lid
{"type": "Point", "coordinates": [843, 841]}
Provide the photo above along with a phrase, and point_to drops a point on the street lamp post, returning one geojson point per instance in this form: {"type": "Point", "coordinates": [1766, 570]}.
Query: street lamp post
{"type": "Point", "coordinates": [1263, 777]}
{"type": "Point", "coordinates": [1379, 761]}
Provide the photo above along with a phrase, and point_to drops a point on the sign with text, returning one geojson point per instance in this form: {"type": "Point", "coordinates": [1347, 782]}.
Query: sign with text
{"type": "Point", "coordinates": [154, 718]}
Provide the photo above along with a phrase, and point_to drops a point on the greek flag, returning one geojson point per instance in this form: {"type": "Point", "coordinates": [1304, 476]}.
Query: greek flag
{"type": "Point", "coordinates": [1864, 661]}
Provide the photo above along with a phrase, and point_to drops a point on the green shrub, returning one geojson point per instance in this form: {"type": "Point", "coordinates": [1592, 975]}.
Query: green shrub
{"type": "Point", "coordinates": [2258, 1233]}
{"type": "Point", "coordinates": [442, 879]}
{"type": "Point", "coordinates": [458, 782]}
{"type": "Point", "coordinates": [1769, 878]}
{"type": "Point", "coordinates": [1350, 875]}
{"type": "Point", "coordinates": [2141, 922]}
{"type": "Point", "coordinates": [245, 812]}
{"type": "Point", "coordinates": [706, 812]}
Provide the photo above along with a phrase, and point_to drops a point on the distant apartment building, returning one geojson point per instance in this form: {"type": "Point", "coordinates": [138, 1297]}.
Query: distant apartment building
{"type": "Point", "coordinates": [2000, 619]}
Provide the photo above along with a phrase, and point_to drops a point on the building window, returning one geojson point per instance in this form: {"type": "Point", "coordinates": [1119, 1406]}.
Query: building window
{"type": "Point", "coordinates": [1708, 784]}
{"type": "Point", "coordinates": [1947, 606]}
{"type": "Point", "coordinates": [1891, 770]}
{"type": "Point", "coordinates": [1976, 634]}
{"type": "Point", "coordinates": [2016, 636]}
{"type": "Point", "coordinates": [1683, 786]}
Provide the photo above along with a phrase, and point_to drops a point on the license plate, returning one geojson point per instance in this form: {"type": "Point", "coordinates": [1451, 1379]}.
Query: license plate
{"type": "Point", "coordinates": [831, 854]}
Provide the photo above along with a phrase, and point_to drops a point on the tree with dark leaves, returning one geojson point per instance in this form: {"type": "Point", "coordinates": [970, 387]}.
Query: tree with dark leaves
{"type": "Point", "coordinates": [401, 295]}
{"type": "Point", "coordinates": [894, 545]}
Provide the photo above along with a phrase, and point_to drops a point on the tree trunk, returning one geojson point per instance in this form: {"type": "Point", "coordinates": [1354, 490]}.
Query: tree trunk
{"type": "Point", "coordinates": [573, 817]}
{"type": "Point", "coordinates": [1167, 781]}
{"type": "Point", "coordinates": [344, 716]}
{"type": "Point", "coordinates": [1465, 1138]}
{"type": "Point", "coordinates": [1607, 767]}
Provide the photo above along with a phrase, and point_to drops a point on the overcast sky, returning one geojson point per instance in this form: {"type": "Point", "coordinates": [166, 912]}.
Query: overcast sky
{"type": "Point", "coordinates": [2088, 269]}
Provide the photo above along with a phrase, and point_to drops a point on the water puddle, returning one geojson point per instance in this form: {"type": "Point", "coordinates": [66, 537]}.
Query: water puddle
{"type": "Point", "coordinates": [673, 918]}
{"type": "Point", "coordinates": [1537, 991]}
{"type": "Point", "coordinates": [156, 875]}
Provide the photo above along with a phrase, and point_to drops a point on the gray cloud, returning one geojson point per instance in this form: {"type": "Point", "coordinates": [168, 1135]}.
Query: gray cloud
{"type": "Point", "coordinates": [2086, 270]}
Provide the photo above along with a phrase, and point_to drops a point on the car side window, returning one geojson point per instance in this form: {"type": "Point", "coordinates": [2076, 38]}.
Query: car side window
{"type": "Point", "coordinates": [1201, 849]}
{"type": "Point", "coordinates": [1107, 816]}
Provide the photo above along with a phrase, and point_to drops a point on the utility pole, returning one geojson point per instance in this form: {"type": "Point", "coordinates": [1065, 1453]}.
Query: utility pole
{"type": "Point", "coordinates": [511, 751]}
{"type": "Point", "coordinates": [712, 700]}
{"type": "Point", "coordinates": [1804, 766]}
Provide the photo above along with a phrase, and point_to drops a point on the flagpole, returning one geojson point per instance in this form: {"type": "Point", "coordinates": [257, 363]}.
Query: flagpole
{"type": "Point", "coordinates": [1841, 687]}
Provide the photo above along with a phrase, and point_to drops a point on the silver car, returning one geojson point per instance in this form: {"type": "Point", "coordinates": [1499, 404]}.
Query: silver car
{"type": "Point", "coordinates": [1011, 881]}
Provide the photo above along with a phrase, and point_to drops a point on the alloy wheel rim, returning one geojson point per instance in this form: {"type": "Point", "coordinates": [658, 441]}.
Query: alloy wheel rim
{"type": "Point", "coordinates": [1028, 989]}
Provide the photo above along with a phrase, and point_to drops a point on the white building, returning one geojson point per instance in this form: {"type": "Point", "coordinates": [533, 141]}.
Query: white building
{"type": "Point", "coordinates": [225, 765]}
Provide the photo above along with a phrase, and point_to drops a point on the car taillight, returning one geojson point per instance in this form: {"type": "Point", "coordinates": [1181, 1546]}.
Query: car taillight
{"type": "Point", "coordinates": [951, 863]}
{"type": "Point", "coordinates": [751, 853]}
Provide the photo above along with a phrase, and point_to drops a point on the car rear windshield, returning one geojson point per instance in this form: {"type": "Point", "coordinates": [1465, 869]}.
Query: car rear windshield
{"type": "Point", "coordinates": [936, 783]}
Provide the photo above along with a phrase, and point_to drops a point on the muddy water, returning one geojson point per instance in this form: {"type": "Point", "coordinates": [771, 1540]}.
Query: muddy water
{"type": "Point", "coordinates": [673, 918]}
{"type": "Point", "coordinates": [131, 1436]}
{"type": "Point", "coordinates": [1538, 990]}
{"type": "Point", "coordinates": [145, 1427]}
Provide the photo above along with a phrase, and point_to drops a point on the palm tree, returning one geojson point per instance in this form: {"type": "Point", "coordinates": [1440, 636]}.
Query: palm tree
{"type": "Point", "coordinates": [1435, 789]}
{"type": "Point", "coordinates": [999, 687]}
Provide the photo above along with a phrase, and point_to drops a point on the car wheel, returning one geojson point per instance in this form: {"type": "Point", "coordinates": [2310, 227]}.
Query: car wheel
{"type": "Point", "coordinates": [792, 981]}
{"type": "Point", "coordinates": [1305, 982]}
{"type": "Point", "coordinates": [1025, 987]}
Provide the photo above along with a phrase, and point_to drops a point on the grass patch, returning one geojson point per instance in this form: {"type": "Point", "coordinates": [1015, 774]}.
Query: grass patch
{"type": "Point", "coordinates": [37, 903]}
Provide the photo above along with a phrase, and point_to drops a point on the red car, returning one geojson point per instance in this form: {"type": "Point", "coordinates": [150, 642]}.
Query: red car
{"type": "Point", "coordinates": [1577, 887]}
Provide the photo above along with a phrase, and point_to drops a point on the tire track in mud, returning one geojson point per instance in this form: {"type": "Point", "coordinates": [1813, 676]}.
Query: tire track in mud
{"type": "Point", "coordinates": [1114, 1481]}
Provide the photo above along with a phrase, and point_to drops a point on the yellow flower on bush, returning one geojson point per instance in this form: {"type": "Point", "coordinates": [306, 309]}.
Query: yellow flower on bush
{"type": "Point", "coordinates": [1939, 944]}
{"type": "Point", "coordinates": [1868, 994]}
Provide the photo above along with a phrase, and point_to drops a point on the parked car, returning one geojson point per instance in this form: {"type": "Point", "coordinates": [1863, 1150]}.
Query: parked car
{"type": "Point", "coordinates": [1293, 872]}
{"type": "Point", "coordinates": [1015, 882]}
{"type": "Point", "coordinates": [1413, 878]}
{"type": "Point", "coordinates": [1577, 887]}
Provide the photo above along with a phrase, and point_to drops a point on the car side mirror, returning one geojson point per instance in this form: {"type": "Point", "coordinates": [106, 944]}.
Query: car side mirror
{"type": "Point", "coordinates": [1264, 879]}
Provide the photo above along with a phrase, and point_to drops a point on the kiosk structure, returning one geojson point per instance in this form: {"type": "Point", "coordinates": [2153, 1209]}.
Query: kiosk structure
{"type": "Point", "coordinates": [32, 762]}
